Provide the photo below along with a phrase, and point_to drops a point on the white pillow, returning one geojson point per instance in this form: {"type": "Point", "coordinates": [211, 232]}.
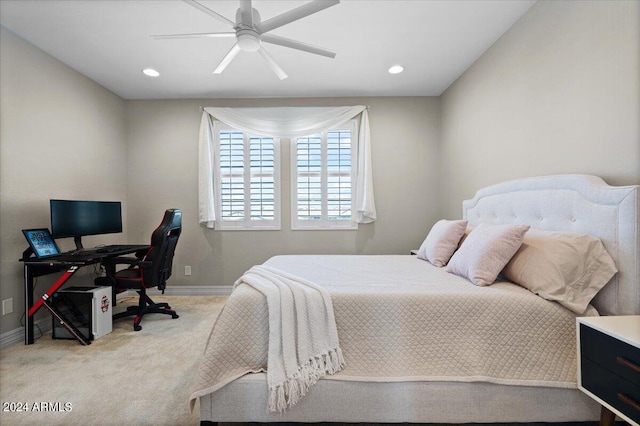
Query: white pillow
{"type": "Point", "coordinates": [485, 251]}
{"type": "Point", "coordinates": [565, 267]}
{"type": "Point", "coordinates": [442, 241]}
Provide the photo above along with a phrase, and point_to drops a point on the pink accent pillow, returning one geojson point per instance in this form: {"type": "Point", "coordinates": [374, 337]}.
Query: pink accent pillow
{"type": "Point", "coordinates": [485, 251]}
{"type": "Point", "coordinates": [442, 241]}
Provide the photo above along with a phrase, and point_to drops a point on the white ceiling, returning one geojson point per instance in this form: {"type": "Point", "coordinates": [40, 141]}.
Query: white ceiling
{"type": "Point", "coordinates": [108, 41]}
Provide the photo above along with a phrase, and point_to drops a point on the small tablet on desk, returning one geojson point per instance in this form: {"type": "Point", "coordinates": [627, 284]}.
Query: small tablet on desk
{"type": "Point", "coordinates": [41, 242]}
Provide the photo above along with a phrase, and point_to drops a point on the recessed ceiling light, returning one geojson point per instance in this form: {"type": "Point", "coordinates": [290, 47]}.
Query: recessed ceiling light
{"type": "Point", "coordinates": [150, 72]}
{"type": "Point", "coordinates": [396, 69]}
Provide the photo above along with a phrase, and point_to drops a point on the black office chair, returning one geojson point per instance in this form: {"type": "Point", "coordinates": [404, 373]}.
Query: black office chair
{"type": "Point", "coordinates": [151, 268]}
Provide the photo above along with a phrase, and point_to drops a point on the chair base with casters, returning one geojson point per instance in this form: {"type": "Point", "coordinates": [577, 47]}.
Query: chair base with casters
{"type": "Point", "coordinates": [145, 306]}
{"type": "Point", "coordinates": [150, 268]}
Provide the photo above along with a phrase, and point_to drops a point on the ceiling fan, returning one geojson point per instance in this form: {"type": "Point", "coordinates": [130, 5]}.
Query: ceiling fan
{"type": "Point", "coordinates": [250, 32]}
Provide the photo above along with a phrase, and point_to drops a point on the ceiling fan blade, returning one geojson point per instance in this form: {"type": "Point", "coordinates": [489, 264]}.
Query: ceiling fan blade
{"type": "Point", "coordinates": [195, 35]}
{"type": "Point", "coordinates": [246, 13]}
{"type": "Point", "coordinates": [272, 64]}
{"type": "Point", "coordinates": [293, 44]}
{"type": "Point", "coordinates": [209, 12]}
{"type": "Point", "coordinates": [227, 59]}
{"type": "Point", "coordinates": [295, 14]}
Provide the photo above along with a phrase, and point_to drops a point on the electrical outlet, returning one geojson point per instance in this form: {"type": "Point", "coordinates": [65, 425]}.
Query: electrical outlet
{"type": "Point", "coordinates": [7, 306]}
{"type": "Point", "coordinates": [187, 270]}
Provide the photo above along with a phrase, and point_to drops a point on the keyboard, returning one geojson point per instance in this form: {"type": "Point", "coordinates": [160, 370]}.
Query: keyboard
{"type": "Point", "coordinates": [116, 248]}
{"type": "Point", "coordinates": [112, 248]}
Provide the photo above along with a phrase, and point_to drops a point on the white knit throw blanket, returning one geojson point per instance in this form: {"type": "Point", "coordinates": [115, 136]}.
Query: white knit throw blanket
{"type": "Point", "coordinates": [303, 337]}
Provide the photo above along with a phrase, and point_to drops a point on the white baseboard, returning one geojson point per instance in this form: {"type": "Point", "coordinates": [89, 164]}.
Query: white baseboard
{"type": "Point", "coordinates": [15, 336]}
{"type": "Point", "coordinates": [193, 291]}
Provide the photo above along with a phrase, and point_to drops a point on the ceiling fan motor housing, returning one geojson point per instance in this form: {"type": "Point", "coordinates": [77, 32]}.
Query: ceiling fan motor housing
{"type": "Point", "coordinates": [247, 35]}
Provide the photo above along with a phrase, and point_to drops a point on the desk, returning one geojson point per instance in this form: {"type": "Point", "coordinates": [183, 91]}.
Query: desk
{"type": "Point", "coordinates": [70, 263]}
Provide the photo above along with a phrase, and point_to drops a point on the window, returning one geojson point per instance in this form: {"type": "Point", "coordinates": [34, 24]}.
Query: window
{"type": "Point", "coordinates": [322, 177]}
{"type": "Point", "coordinates": [248, 183]}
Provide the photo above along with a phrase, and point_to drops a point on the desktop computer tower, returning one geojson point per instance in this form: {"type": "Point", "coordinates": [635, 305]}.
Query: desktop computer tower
{"type": "Point", "coordinates": [88, 308]}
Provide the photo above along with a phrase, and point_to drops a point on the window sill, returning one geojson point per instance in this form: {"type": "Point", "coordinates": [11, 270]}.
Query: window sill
{"type": "Point", "coordinates": [247, 228]}
{"type": "Point", "coordinates": [354, 227]}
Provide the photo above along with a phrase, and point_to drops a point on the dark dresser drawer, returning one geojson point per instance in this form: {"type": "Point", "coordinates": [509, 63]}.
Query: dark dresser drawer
{"type": "Point", "coordinates": [615, 355]}
{"type": "Point", "coordinates": [618, 392]}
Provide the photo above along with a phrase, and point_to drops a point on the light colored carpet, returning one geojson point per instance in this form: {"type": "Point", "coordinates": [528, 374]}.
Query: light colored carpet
{"type": "Point", "coordinates": [123, 378]}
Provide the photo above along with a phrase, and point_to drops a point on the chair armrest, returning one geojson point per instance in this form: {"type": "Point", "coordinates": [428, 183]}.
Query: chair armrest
{"type": "Point", "coordinates": [141, 253]}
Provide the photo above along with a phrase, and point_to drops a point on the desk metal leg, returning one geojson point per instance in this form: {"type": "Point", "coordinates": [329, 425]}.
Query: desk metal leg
{"type": "Point", "coordinates": [63, 279]}
{"type": "Point", "coordinates": [28, 301]}
{"type": "Point", "coordinates": [32, 308]}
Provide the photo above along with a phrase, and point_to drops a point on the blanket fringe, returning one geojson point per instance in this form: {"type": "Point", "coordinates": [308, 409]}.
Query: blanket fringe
{"type": "Point", "coordinates": [287, 394]}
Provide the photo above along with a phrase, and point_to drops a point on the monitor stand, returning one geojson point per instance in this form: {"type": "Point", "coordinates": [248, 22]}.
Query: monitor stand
{"type": "Point", "coordinates": [78, 241]}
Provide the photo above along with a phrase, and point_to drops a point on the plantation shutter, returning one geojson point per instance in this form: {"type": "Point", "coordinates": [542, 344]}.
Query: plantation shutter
{"type": "Point", "coordinates": [322, 168]}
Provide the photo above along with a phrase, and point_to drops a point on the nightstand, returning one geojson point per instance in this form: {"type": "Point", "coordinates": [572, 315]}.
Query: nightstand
{"type": "Point", "coordinates": [609, 365]}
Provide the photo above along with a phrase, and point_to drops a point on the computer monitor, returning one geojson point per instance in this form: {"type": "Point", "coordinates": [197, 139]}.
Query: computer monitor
{"type": "Point", "coordinates": [76, 218]}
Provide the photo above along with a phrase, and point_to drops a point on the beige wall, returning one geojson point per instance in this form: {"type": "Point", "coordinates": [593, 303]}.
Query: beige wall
{"type": "Point", "coordinates": [163, 140]}
{"type": "Point", "coordinates": [558, 93]}
{"type": "Point", "coordinates": [61, 136]}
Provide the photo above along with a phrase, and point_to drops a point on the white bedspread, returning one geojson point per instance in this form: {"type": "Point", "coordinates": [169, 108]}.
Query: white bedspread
{"type": "Point", "coordinates": [401, 319]}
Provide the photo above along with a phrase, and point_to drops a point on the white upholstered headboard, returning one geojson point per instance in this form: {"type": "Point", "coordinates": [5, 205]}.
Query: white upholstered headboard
{"type": "Point", "coordinates": [574, 203]}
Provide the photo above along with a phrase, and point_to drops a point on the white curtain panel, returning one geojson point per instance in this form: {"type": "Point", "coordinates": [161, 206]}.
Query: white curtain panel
{"type": "Point", "coordinates": [206, 186]}
{"type": "Point", "coordinates": [286, 122]}
{"type": "Point", "coordinates": [365, 205]}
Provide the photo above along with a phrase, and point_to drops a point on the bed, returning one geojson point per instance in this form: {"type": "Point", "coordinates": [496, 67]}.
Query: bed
{"type": "Point", "coordinates": [473, 365]}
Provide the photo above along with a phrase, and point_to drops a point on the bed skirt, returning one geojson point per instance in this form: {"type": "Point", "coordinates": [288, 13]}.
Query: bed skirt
{"type": "Point", "coordinates": [243, 400]}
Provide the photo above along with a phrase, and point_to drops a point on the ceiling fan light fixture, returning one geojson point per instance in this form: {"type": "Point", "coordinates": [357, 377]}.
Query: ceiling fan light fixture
{"type": "Point", "coordinates": [248, 40]}
{"type": "Point", "coordinates": [150, 72]}
{"type": "Point", "coordinates": [396, 69]}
